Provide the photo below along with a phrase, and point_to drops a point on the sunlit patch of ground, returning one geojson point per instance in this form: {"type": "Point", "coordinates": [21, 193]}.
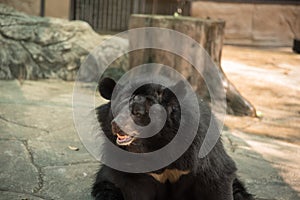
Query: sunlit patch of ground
{"type": "Point", "coordinates": [270, 79]}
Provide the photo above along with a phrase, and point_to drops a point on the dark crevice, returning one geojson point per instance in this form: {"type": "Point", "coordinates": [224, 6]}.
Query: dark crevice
{"type": "Point", "coordinates": [12, 15]}
{"type": "Point", "coordinates": [37, 103]}
{"type": "Point", "coordinates": [24, 125]}
{"type": "Point", "coordinates": [232, 145]}
{"type": "Point", "coordinates": [29, 23]}
{"type": "Point", "coordinates": [72, 164]}
{"type": "Point", "coordinates": [35, 42]}
{"type": "Point", "coordinates": [31, 56]}
{"type": "Point", "coordinates": [23, 192]}
{"type": "Point", "coordinates": [57, 42]}
{"type": "Point", "coordinates": [11, 139]}
{"type": "Point", "coordinates": [8, 37]}
{"type": "Point", "coordinates": [40, 174]}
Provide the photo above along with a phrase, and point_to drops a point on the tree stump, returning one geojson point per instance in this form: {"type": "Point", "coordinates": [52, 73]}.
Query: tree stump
{"type": "Point", "coordinates": [209, 34]}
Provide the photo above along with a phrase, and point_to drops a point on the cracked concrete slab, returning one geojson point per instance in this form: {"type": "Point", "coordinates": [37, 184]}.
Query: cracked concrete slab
{"type": "Point", "coordinates": [17, 172]}
{"type": "Point", "coordinates": [69, 182]}
{"type": "Point", "coordinates": [49, 151]}
{"type": "Point", "coordinates": [36, 130]}
{"type": "Point", "coordinates": [7, 195]}
{"type": "Point", "coordinates": [36, 116]}
{"type": "Point", "coordinates": [31, 106]}
{"type": "Point", "coordinates": [258, 170]}
{"type": "Point", "coordinates": [11, 130]}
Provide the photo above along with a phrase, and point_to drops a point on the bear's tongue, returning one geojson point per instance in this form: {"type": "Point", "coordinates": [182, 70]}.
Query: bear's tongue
{"type": "Point", "coordinates": [123, 139]}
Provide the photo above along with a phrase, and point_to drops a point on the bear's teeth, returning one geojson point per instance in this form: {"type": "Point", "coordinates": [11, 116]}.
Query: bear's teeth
{"type": "Point", "coordinates": [122, 137]}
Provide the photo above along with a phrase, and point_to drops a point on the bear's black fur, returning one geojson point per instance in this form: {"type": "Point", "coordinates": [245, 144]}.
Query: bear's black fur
{"type": "Point", "coordinates": [188, 178]}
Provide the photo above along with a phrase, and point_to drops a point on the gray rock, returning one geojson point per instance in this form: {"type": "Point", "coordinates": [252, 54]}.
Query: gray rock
{"type": "Point", "coordinates": [35, 47]}
{"type": "Point", "coordinates": [98, 63]}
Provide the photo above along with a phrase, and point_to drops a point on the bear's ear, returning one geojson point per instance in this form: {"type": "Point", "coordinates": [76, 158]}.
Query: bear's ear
{"type": "Point", "coordinates": [106, 87]}
{"type": "Point", "coordinates": [174, 92]}
{"type": "Point", "coordinates": [178, 89]}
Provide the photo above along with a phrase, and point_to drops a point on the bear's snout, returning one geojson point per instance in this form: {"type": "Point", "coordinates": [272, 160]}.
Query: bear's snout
{"type": "Point", "coordinates": [115, 128]}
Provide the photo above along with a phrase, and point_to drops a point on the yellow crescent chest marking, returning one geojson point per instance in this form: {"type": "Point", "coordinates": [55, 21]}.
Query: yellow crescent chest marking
{"type": "Point", "coordinates": [172, 175]}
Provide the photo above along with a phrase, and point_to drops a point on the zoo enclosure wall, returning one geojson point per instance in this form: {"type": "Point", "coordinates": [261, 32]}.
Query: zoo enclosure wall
{"type": "Point", "coordinates": [250, 22]}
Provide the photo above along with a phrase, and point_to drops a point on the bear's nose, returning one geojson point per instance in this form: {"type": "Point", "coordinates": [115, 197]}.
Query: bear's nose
{"type": "Point", "coordinates": [138, 110]}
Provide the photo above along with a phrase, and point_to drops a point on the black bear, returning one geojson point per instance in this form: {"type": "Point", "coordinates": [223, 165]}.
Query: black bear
{"type": "Point", "coordinates": [188, 178]}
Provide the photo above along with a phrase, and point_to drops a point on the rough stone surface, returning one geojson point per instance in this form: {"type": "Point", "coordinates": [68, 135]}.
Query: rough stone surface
{"type": "Point", "coordinates": [255, 24]}
{"type": "Point", "coordinates": [76, 181]}
{"type": "Point", "coordinates": [17, 171]}
{"type": "Point", "coordinates": [34, 47]}
{"type": "Point", "coordinates": [100, 58]}
{"type": "Point", "coordinates": [262, 168]}
{"type": "Point", "coordinates": [31, 7]}
{"type": "Point", "coordinates": [5, 195]}
{"type": "Point", "coordinates": [37, 131]}
{"type": "Point", "coordinates": [59, 152]}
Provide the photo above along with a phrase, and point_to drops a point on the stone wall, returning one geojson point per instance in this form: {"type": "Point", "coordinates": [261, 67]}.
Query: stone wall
{"type": "Point", "coordinates": [31, 7]}
{"type": "Point", "coordinates": [57, 8]}
{"type": "Point", "coordinates": [53, 8]}
{"type": "Point", "coordinates": [254, 24]}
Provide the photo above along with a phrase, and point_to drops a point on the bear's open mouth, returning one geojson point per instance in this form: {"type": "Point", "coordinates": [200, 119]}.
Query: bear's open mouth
{"type": "Point", "coordinates": [124, 140]}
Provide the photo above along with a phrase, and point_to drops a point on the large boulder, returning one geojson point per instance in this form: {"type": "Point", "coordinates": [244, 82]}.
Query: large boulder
{"type": "Point", "coordinates": [36, 47]}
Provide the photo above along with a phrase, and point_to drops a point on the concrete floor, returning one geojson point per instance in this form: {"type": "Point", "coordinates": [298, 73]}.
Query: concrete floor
{"type": "Point", "coordinates": [270, 79]}
{"type": "Point", "coordinates": [37, 133]}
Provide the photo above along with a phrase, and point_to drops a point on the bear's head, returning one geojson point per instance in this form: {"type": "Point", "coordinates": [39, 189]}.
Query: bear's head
{"type": "Point", "coordinates": [140, 102]}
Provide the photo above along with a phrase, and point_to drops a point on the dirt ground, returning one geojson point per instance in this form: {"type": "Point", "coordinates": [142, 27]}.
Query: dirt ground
{"type": "Point", "coordinates": [270, 80]}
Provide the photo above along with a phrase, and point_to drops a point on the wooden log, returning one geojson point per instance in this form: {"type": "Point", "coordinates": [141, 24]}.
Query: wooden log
{"type": "Point", "coordinates": [208, 33]}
